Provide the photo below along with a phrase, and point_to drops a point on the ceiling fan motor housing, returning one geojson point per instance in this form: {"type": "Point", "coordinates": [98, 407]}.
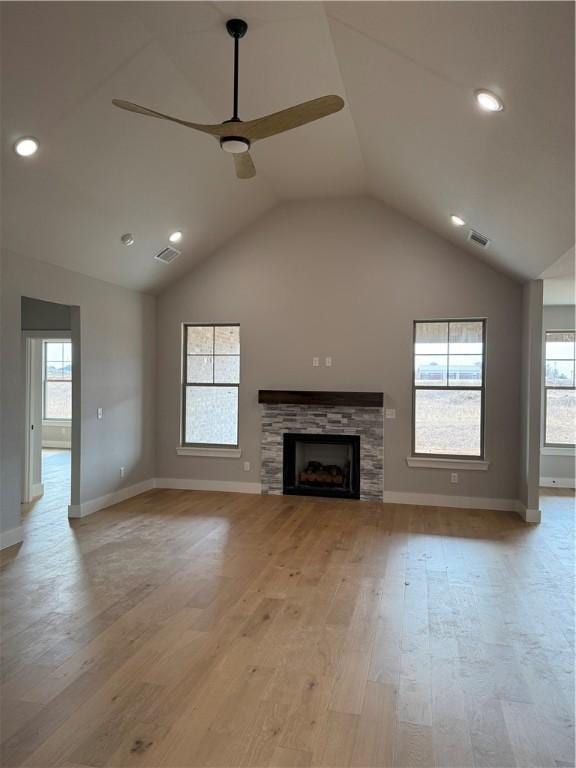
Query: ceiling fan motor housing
{"type": "Point", "coordinates": [234, 144]}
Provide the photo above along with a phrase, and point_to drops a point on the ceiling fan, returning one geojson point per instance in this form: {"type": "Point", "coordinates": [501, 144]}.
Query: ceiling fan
{"type": "Point", "coordinates": [237, 136]}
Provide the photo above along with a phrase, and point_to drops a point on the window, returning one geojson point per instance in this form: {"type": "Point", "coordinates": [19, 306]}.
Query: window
{"type": "Point", "coordinates": [559, 392]}
{"type": "Point", "coordinates": [57, 368]}
{"type": "Point", "coordinates": [448, 389]}
{"type": "Point", "coordinates": [210, 384]}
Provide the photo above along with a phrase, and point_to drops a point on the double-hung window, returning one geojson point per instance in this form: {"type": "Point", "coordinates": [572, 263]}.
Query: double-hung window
{"type": "Point", "coordinates": [57, 376]}
{"type": "Point", "coordinates": [559, 392]}
{"type": "Point", "coordinates": [210, 385]}
{"type": "Point", "coordinates": [448, 389]}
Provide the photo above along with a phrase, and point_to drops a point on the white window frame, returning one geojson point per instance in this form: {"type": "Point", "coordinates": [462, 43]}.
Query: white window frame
{"type": "Point", "coordinates": [554, 449]}
{"type": "Point", "coordinates": [445, 460]}
{"type": "Point", "coordinates": [47, 420]}
{"type": "Point", "coordinates": [211, 450]}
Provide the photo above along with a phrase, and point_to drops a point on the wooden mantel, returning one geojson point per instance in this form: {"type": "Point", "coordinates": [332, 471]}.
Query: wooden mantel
{"type": "Point", "coordinates": [303, 397]}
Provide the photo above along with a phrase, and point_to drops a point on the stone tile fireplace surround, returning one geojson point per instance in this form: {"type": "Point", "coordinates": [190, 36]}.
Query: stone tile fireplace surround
{"type": "Point", "coordinates": [330, 413]}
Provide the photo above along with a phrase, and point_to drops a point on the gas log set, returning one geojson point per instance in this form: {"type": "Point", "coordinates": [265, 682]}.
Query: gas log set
{"type": "Point", "coordinates": [317, 474]}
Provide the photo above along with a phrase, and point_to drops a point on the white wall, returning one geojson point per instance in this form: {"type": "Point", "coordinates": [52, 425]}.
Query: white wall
{"type": "Point", "coordinates": [557, 469]}
{"type": "Point", "coordinates": [344, 278]}
{"type": "Point", "coordinates": [56, 435]}
{"type": "Point", "coordinates": [117, 329]}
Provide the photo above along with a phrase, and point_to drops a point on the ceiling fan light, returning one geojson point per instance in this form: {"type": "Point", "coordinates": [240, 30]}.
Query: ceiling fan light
{"type": "Point", "coordinates": [234, 144]}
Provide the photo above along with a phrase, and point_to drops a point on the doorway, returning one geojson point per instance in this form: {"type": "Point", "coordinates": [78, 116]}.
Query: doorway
{"type": "Point", "coordinates": [52, 410]}
{"type": "Point", "coordinates": [558, 425]}
{"type": "Point", "coordinates": [48, 424]}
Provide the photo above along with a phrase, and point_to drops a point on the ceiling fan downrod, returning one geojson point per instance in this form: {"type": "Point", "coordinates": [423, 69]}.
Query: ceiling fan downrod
{"type": "Point", "coordinates": [237, 28]}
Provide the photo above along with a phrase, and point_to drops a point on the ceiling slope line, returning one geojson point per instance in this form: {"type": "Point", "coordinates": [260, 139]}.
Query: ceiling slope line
{"type": "Point", "coordinates": [367, 181]}
{"type": "Point", "coordinates": [399, 54]}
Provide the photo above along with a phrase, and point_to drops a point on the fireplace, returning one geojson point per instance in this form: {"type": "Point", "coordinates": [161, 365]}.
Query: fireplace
{"type": "Point", "coordinates": [328, 418]}
{"type": "Point", "coordinates": [322, 465]}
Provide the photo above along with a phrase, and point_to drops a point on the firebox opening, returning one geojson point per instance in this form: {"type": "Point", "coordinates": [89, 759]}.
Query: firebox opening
{"type": "Point", "coordinates": [322, 465]}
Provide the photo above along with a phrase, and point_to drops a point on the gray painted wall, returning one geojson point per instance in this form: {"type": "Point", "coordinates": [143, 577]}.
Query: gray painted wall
{"type": "Point", "coordinates": [344, 278]}
{"type": "Point", "coordinates": [557, 318]}
{"type": "Point", "coordinates": [117, 348]}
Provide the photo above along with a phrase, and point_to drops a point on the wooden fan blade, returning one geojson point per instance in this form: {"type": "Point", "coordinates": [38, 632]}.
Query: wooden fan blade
{"type": "Point", "coordinates": [244, 165]}
{"type": "Point", "coordinates": [285, 120]}
{"type": "Point", "coordinates": [213, 130]}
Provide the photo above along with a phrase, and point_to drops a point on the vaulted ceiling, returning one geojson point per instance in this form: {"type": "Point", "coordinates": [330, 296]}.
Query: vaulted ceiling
{"type": "Point", "coordinates": [410, 134]}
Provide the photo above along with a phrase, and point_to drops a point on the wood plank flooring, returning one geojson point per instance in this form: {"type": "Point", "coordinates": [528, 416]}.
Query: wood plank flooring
{"type": "Point", "coordinates": [210, 629]}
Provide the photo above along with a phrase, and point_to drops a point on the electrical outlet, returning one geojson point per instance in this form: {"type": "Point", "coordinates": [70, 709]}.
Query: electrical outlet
{"type": "Point", "coordinates": [390, 413]}
{"type": "Point", "coordinates": [315, 362]}
{"type": "Point", "coordinates": [99, 413]}
{"type": "Point", "coordinates": [454, 478]}
{"type": "Point", "coordinates": [246, 466]}
{"type": "Point", "coordinates": [122, 471]}
{"type": "Point", "coordinates": [328, 362]}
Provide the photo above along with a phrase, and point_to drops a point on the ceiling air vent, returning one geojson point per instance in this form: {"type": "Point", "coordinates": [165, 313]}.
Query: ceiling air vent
{"type": "Point", "coordinates": [479, 239]}
{"type": "Point", "coordinates": [167, 255]}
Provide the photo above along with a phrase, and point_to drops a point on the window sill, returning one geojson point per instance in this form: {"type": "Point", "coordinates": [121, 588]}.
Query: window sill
{"type": "Point", "coordinates": [435, 463]}
{"type": "Point", "coordinates": [569, 450]}
{"type": "Point", "coordinates": [213, 453]}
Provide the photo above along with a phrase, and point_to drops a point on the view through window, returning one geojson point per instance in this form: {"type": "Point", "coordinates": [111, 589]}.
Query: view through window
{"type": "Point", "coordinates": [448, 388]}
{"type": "Point", "coordinates": [211, 380]}
{"type": "Point", "coordinates": [57, 367]}
{"type": "Point", "coordinates": [559, 391]}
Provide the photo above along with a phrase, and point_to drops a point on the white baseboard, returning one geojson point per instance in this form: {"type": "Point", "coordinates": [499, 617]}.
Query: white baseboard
{"type": "Point", "coordinates": [390, 497]}
{"type": "Point", "coordinates": [187, 484]}
{"type": "Point", "coordinates": [94, 505]}
{"type": "Point", "coordinates": [557, 482]}
{"type": "Point", "coordinates": [56, 444]}
{"type": "Point", "coordinates": [441, 500]}
{"type": "Point", "coordinates": [11, 537]}
{"type": "Point", "coordinates": [529, 515]}
{"type": "Point", "coordinates": [37, 490]}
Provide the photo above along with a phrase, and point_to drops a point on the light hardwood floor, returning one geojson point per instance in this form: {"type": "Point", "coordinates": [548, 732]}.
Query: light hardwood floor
{"type": "Point", "coordinates": [209, 629]}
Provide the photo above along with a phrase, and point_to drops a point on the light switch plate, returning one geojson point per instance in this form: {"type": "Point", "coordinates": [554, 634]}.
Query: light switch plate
{"type": "Point", "coordinates": [99, 413]}
{"type": "Point", "coordinates": [390, 413]}
{"type": "Point", "coordinates": [315, 362]}
{"type": "Point", "coordinates": [328, 362]}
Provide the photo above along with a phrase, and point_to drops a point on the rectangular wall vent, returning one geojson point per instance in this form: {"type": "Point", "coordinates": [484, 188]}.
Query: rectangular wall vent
{"type": "Point", "coordinates": [479, 239]}
{"type": "Point", "coordinates": [167, 255]}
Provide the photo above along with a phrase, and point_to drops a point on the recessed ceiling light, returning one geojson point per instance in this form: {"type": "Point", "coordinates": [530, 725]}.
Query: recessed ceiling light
{"type": "Point", "coordinates": [175, 237]}
{"type": "Point", "coordinates": [457, 221]}
{"type": "Point", "coordinates": [488, 101]}
{"type": "Point", "coordinates": [26, 146]}
{"type": "Point", "coordinates": [127, 239]}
